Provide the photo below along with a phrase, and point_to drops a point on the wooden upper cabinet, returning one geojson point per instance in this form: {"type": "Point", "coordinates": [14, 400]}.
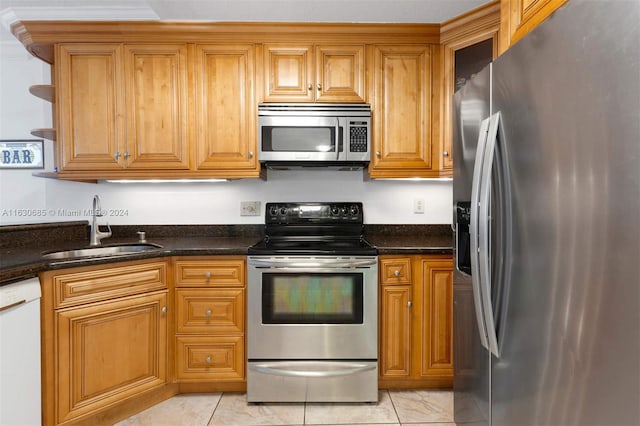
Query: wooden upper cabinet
{"type": "Point", "coordinates": [157, 93]}
{"type": "Point", "coordinates": [172, 100]}
{"type": "Point", "coordinates": [89, 106]}
{"type": "Point", "coordinates": [469, 43]}
{"type": "Point", "coordinates": [519, 17]}
{"type": "Point", "coordinates": [313, 73]}
{"type": "Point", "coordinates": [402, 98]}
{"type": "Point", "coordinates": [340, 73]}
{"type": "Point", "coordinates": [225, 107]}
{"type": "Point", "coordinates": [121, 106]}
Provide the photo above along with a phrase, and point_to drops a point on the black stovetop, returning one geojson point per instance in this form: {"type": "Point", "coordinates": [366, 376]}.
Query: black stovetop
{"type": "Point", "coordinates": [316, 228]}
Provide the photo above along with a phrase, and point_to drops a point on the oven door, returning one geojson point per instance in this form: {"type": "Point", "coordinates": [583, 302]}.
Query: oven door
{"type": "Point", "coordinates": [295, 138]}
{"type": "Point", "coordinates": [312, 308]}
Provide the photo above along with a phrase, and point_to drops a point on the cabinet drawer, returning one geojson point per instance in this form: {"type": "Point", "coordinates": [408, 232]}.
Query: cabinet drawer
{"type": "Point", "coordinates": [395, 270]}
{"type": "Point", "coordinates": [88, 286]}
{"type": "Point", "coordinates": [209, 273]}
{"type": "Point", "coordinates": [210, 311]}
{"type": "Point", "coordinates": [210, 358]}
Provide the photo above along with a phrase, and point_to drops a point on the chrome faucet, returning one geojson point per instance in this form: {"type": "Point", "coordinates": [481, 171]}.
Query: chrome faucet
{"type": "Point", "coordinates": [96, 234]}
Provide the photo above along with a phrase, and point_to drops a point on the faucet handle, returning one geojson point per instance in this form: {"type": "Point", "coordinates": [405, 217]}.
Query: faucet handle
{"type": "Point", "coordinates": [142, 236]}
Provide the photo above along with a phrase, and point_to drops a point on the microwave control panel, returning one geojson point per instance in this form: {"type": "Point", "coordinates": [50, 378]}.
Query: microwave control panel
{"type": "Point", "coordinates": [358, 136]}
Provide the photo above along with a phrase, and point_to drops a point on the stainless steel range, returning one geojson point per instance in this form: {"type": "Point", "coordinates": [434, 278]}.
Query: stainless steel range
{"type": "Point", "coordinates": [313, 306]}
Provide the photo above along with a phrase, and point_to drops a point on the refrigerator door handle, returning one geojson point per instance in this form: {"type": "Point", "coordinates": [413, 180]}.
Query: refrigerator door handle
{"type": "Point", "coordinates": [473, 233]}
{"type": "Point", "coordinates": [484, 232]}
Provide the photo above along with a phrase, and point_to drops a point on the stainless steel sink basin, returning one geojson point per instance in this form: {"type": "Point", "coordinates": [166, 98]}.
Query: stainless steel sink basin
{"type": "Point", "coordinates": [106, 251]}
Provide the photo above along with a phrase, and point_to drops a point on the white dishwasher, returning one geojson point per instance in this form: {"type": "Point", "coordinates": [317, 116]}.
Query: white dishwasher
{"type": "Point", "coordinates": [20, 398]}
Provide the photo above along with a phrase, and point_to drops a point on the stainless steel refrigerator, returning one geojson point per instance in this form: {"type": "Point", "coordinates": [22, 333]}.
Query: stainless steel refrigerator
{"type": "Point", "coordinates": [547, 220]}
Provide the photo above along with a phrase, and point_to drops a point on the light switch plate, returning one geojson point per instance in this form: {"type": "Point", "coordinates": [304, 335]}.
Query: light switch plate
{"type": "Point", "coordinates": [249, 208]}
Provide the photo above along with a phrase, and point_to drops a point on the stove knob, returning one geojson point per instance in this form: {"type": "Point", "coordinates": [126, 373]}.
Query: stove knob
{"type": "Point", "coordinates": [273, 210]}
{"type": "Point", "coordinates": [283, 211]}
{"type": "Point", "coordinates": [335, 211]}
{"type": "Point", "coordinates": [354, 210]}
{"type": "Point", "coordinates": [344, 211]}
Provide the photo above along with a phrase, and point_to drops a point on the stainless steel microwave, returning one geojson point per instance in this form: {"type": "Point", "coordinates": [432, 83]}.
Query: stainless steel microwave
{"type": "Point", "coordinates": [314, 135]}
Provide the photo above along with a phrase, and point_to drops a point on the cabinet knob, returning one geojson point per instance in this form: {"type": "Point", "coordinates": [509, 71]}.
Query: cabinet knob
{"type": "Point", "coordinates": [445, 153]}
{"type": "Point", "coordinates": [117, 156]}
{"type": "Point", "coordinates": [250, 154]}
{"type": "Point", "coordinates": [319, 86]}
{"type": "Point", "coordinates": [164, 309]}
{"type": "Point", "coordinates": [310, 86]}
{"type": "Point", "coordinates": [207, 275]}
{"type": "Point", "coordinates": [409, 304]}
{"type": "Point", "coordinates": [208, 312]}
{"type": "Point", "coordinates": [208, 360]}
{"type": "Point", "coordinates": [126, 155]}
{"type": "Point", "coordinates": [396, 272]}
{"type": "Point", "coordinates": [378, 154]}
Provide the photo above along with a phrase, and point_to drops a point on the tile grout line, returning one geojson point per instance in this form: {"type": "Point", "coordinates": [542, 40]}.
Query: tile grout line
{"type": "Point", "coordinates": [214, 409]}
{"type": "Point", "coordinates": [394, 406]}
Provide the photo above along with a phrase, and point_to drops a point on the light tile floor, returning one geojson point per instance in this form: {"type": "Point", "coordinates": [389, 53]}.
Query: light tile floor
{"type": "Point", "coordinates": [411, 407]}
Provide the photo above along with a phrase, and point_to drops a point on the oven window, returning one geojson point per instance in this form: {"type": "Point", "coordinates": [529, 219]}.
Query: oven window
{"type": "Point", "coordinates": [299, 139]}
{"type": "Point", "coordinates": [308, 298]}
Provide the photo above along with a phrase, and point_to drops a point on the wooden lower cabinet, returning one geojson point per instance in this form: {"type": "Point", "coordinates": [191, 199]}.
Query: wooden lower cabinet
{"type": "Point", "coordinates": [416, 321]}
{"type": "Point", "coordinates": [104, 340]}
{"type": "Point", "coordinates": [108, 350]}
{"type": "Point", "coordinates": [121, 337]}
{"type": "Point", "coordinates": [210, 350]}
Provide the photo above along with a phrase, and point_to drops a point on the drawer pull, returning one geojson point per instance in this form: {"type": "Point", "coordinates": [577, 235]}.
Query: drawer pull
{"type": "Point", "coordinates": [208, 312]}
{"type": "Point", "coordinates": [396, 272]}
{"type": "Point", "coordinates": [207, 360]}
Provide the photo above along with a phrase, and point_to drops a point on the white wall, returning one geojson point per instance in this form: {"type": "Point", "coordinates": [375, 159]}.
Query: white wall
{"type": "Point", "coordinates": [28, 199]}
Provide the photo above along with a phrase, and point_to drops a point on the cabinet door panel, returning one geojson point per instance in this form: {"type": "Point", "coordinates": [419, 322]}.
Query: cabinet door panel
{"type": "Point", "coordinates": [438, 302]}
{"type": "Point", "coordinates": [519, 17]}
{"type": "Point", "coordinates": [340, 73]}
{"type": "Point", "coordinates": [288, 74]}
{"type": "Point", "coordinates": [108, 352]}
{"type": "Point", "coordinates": [395, 332]}
{"type": "Point", "coordinates": [225, 108]}
{"type": "Point", "coordinates": [156, 93]}
{"type": "Point", "coordinates": [88, 79]}
{"type": "Point", "coordinates": [402, 106]}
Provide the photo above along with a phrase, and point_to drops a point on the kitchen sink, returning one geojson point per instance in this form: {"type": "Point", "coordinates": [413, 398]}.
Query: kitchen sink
{"type": "Point", "coordinates": [102, 251]}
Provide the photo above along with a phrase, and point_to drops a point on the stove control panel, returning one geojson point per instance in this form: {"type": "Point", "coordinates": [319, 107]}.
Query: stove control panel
{"type": "Point", "coordinates": [314, 213]}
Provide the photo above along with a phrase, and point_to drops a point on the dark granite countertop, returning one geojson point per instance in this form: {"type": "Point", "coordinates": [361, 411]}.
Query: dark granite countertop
{"type": "Point", "coordinates": [21, 246]}
{"type": "Point", "coordinates": [410, 239]}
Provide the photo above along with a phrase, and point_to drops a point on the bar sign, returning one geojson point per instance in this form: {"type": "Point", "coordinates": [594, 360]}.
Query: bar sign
{"type": "Point", "coordinates": [21, 154]}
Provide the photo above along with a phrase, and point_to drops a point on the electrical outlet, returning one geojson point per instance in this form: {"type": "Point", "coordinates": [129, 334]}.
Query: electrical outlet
{"type": "Point", "coordinates": [418, 205]}
{"type": "Point", "coordinates": [249, 208]}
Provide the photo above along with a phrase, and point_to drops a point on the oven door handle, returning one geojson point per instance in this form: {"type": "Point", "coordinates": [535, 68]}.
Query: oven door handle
{"type": "Point", "coordinates": [311, 368]}
{"type": "Point", "coordinates": [310, 264]}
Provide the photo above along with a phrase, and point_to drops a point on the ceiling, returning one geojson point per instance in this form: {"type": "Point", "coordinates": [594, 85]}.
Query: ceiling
{"type": "Point", "coordinates": [432, 11]}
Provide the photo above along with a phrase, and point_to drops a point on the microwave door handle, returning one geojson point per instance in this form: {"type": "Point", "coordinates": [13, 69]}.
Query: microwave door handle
{"type": "Point", "coordinates": [337, 139]}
